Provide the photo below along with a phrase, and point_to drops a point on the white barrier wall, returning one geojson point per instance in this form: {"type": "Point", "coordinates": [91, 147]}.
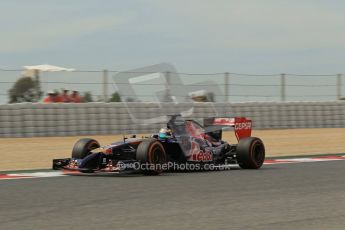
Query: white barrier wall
{"type": "Point", "coordinates": [29, 120]}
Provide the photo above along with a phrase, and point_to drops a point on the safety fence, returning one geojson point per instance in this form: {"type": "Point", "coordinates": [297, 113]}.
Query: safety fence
{"type": "Point", "coordinates": [32, 120]}
{"type": "Point", "coordinates": [155, 84]}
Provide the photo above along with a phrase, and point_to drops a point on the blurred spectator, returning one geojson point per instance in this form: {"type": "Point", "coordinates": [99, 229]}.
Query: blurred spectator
{"type": "Point", "coordinates": [64, 97]}
{"type": "Point", "coordinates": [75, 97]}
{"type": "Point", "coordinates": [51, 97]}
{"type": "Point", "coordinates": [202, 96]}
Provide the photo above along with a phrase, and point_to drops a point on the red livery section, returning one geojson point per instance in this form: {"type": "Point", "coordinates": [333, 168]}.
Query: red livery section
{"type": "Point", "coordinates": [224, 121]}
{"type": "Point", "coordinates": [242, 125]}
{"type": "Point", "coordinates": [202, 156]}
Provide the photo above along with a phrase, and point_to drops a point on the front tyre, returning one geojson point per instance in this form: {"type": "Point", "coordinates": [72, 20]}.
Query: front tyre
{"type": "Point", "coordinates": [250, 153]}
{"type": "Point", "coordinates": [83, 147]}
{"type": "Point", "coordinates": [151, 155]}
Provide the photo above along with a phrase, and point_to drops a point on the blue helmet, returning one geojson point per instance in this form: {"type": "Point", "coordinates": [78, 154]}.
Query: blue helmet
{"type": "Point", "coordinates": [164, 133]}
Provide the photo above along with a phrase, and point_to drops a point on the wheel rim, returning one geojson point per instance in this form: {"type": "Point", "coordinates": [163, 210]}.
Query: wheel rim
{"type": "Point", "coordinates": [259, 153]}
{"type": "Point", "coordinates": [157, 156]}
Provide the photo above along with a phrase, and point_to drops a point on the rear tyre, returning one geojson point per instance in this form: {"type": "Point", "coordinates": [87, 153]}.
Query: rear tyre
{"type": "Point", "coordinates": [250, 153]}
{"type": "Point", "coordinates": [151, 153]}
{"type": "Point", "coordinates": [83, 147]}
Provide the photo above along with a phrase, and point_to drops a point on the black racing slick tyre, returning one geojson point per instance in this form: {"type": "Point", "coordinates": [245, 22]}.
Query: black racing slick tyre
{"type": "Point", "coordinates": [250, 153]}
{"type": "Point", "coordinates": [151, 155]}
{"type": "Point", "coordinates": [83, 147]}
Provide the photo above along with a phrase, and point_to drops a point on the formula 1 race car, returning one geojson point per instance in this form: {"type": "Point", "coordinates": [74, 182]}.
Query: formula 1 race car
{"type": "Point", "coordinates": [181, 142]}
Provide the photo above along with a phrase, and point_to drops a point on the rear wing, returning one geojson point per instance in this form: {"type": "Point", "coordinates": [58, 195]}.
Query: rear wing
{"type": "Point", "coordinates": [242, 126]}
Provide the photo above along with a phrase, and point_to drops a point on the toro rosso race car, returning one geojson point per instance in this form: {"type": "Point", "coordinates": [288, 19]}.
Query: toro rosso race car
{"type": "Point", "coordinates": [180, 142]}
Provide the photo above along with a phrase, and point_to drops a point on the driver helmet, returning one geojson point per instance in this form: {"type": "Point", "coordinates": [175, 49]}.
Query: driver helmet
{"type": "Point", "coordinates": [164, 133]}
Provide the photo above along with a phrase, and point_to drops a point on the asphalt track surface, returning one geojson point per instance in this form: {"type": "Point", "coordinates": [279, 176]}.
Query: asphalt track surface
{"type": "Point", "coordinates": [281, 196]}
